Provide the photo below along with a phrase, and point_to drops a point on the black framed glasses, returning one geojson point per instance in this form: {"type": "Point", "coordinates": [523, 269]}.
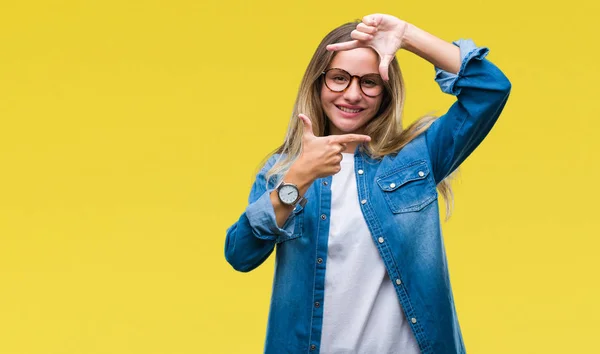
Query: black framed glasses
{"type": "Point", "coordinates": [338, 80]}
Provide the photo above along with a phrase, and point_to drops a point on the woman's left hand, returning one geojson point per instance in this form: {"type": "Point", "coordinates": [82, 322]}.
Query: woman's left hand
{"type": "Point", "coordinates": [383, 33]}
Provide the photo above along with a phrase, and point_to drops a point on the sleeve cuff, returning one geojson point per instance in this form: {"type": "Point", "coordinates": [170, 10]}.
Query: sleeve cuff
{"type": "Point", "coordinates": [261, 217]}
{"type": "Point", "coordinates": [468, 51]}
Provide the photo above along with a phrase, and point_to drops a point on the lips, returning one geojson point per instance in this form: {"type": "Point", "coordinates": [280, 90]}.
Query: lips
{"type": "Point", "coordinates": [349, 110]}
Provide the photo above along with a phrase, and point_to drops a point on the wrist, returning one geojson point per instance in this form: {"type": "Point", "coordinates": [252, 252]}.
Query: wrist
{"type": "Point", "coordinates": [438, 52]}
{"type": "Point", "coordinates": [410, 37]}
{"type": "Point", "coordinates": [299, 174]}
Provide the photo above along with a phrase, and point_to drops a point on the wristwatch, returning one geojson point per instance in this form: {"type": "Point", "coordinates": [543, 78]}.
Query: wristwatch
{"type": "Point", "coordinates": [289, 194]}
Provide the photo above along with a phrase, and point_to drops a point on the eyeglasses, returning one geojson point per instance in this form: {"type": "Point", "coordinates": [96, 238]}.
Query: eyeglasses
{"type": "Point", "coordinates": [338, 80]}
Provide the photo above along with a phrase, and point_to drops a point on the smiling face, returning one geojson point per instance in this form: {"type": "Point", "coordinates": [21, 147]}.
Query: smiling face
{"type": "Point", "coordinates": [349, 111]}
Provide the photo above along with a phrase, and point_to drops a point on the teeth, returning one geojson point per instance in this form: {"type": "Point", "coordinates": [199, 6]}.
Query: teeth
{"type": "Point", "coordinates": [348, 110]}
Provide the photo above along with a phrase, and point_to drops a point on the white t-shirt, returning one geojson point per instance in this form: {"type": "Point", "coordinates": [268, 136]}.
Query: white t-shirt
{"type": "Point", "coordinates": [362, 314]}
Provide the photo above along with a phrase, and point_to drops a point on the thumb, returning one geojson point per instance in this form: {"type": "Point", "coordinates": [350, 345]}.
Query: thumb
{"type": "Point", "coordinates": [384, 65]}
{"type": "Point", "coordinates": [307, 124]}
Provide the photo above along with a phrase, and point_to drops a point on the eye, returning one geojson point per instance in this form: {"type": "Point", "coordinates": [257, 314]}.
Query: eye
{"type": "Point", "coordinates": [340, 78]}
{"type": "Point", "coordinates": [371, 81]}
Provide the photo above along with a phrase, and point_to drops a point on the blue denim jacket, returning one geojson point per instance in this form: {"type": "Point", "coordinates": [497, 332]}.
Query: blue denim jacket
{"type": "Point", "coordinates": [398, 200]}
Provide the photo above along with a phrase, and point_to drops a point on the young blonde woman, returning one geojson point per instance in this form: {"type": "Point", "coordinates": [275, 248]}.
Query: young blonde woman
{"type": "Point", "coordinates": [349, 199]}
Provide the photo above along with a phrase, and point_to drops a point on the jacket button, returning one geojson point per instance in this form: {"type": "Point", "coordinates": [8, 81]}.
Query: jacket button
{"type": "Point", "coordinates": [380, 240]}
{"type": "Point", "coordinates": [392, 185]}
{"type": "Point", "coordinates": [413, 320]}
{"type": "Point", "coordinates": [313, 347]}
{"type": "Point", "coordinates": [325, 183]}
{"type": "Point", "coordinates": [398, 281]}
{"type": "Point", "coordinates": [323, 216]}
{"type": "Point", "coordinates": [360, 172]}
{"type": "Point", "coordinates": [421, 173]}
{"type": "Point", "coordinates": [317, 304]}
{"type": "Point", "coordinates": [364, 201]}
{"type": "Point", "coordinates": [319, 260]}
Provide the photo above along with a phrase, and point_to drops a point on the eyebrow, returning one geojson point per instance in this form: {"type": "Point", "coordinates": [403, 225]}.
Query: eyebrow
{"type": "Point", "coordinates": [335, 67]}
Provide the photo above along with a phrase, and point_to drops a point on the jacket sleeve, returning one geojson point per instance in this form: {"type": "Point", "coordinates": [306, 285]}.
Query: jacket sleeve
{"type": "Point", "coordinates": [482, 91]}
{"type": "Point", "coordinates": [250, 241]}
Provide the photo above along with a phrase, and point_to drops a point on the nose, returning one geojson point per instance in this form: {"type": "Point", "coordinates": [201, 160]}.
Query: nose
{"type": "Point", "coordinates": [353, 93]}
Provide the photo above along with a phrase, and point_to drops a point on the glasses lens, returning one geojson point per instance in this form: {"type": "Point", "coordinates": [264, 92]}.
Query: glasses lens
{"type": "Point", "coordinates": [372, 84]}
{"type": "Point", "coordinates": [337, 80]}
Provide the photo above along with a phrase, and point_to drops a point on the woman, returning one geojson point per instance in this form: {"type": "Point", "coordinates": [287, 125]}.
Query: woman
{"type": "Point", "coordinates": [349, 199]}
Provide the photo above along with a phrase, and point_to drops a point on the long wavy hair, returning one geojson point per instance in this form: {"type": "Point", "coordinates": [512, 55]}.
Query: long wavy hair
{"type": "Point", "coordinates": [385, 128]}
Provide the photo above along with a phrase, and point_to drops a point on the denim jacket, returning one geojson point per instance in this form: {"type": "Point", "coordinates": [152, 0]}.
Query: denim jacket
{"type": "Point", "coordinates": [397, 197]}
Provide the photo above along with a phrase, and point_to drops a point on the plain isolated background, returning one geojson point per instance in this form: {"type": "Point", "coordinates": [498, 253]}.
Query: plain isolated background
{"type": "Point", "coordinates": [131, 131]}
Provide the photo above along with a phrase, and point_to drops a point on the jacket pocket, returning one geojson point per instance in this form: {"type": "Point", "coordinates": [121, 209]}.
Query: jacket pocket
{"type": "Point", "coordinates": [298, 221]}
{"type": "Point", "coordinates": [408, 188]}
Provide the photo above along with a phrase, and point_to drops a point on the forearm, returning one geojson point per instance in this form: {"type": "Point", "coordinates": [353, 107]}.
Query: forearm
{"type": "Point", "coordinates": [243, 250]}
{"type": "Point", "coordinates": [481, 89]}
{"type": "Point", "coordinates": [253, 237]}
{"type": "Point", "coordinates": [298, 176]}
{"type": "Point", "coordinates": [438, 52]}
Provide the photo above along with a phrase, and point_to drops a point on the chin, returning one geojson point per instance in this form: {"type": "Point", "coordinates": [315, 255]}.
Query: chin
{"type": "Point", "coordinates": [346, 127]}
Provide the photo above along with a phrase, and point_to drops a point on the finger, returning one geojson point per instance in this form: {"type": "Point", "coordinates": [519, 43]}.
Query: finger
{"type": "Point", "coordinates": [384, 65]}
{"type": "Point", "coordinates": [343, 146]}
{"type": "Point", "coordinates": [361, 36]}
{"type": "Point", "coordinates": [366, 29]}
{"type": "Point", "coordinates": [307, 124]}
{"type": "Point", "coordinates": [344, 45]}
{"type": "Point", "coordinates": [372, 20]}
{"type": "Point", "coordinates": [350, 138]}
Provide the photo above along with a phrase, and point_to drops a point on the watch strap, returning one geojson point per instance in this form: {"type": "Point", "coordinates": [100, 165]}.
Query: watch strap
{"type": "Point", "coordinates": [301, 200]}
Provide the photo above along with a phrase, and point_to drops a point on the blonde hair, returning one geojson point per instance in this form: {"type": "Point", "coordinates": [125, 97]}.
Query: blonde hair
{"type": "Point", "coordinates": [385, 129]}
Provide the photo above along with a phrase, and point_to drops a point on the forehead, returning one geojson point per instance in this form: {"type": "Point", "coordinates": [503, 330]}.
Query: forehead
{"type": "Point", "coordinates": [359, 61]}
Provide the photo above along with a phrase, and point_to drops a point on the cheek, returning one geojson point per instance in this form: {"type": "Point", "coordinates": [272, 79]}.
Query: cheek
{"type": "Point", "coordinates": [376, 104]}
{"type": "Point", "coordinates": [328, 106]}
{"type": "Point", "coordinates": [325, 96]}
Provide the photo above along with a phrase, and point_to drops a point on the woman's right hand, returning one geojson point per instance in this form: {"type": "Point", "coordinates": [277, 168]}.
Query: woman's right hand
{"type": "Point", "coordinates": [321, 155]}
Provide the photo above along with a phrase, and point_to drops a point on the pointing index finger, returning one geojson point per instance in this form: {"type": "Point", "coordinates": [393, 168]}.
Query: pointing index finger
{"type": "Point", "coordinates": [350, 138]}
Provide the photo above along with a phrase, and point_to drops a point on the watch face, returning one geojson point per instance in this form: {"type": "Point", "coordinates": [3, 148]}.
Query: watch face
{"type": "Point", "coordinates": [288, 194]}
